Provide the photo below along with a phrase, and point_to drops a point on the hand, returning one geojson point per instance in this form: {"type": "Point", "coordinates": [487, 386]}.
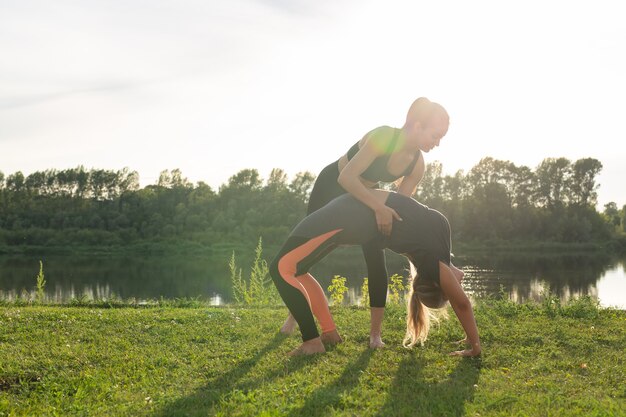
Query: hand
{"type": "Point", "coordinates": [384, 219]}
{"type": "Point", "coordinates": [466, 352]}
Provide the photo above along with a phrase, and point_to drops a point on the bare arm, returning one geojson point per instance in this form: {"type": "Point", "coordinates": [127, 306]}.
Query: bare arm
{"type": "Point", "coordinates": [462, 308]}
{"type": "Point", "coordinates": [349, 179]}
{"type": "Point", "coordinates": [411, 181]}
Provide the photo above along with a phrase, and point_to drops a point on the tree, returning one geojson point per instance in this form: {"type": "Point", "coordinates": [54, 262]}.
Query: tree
{"type": "Point", "coordinates": [178, 181]}
{"type": "Point", "coordinates": [489, 212]}
{"type": "Point", "coordinates": [454, 186]}
{"type": "Point", "coordinates": [128, 180]}
{"type": "Point", "coordinates": [165, 179]}
{"type": "Point", "coordinates": [523, 187]}
{"type": "Point", "coordinates": [553, 181]}
{"type": "Point", "coordinates": [277, 179]}
{"type": "Point", "coordinates": [494, 200]}
{"type": "Point", "coordinates": [35, 183]}
{"type": "Point", "coordinates": [15, 182]}
{"type": "Point", "coordinates": [583, 185]}
{"type": "Point", "coordinates": [82, 181]}
{"type": "Point", "coordinates": [173, 179]}
{"type": "Point", "coordinates": [430, 189]}
{"type": "Point", "coordinates": [245, 179]}
{"type": "Point", "coordinates": [494, 171]}
{"type": "Point", "coordinates": [301, 185]}
{"type": "Point", "coordinates": [612, 215]}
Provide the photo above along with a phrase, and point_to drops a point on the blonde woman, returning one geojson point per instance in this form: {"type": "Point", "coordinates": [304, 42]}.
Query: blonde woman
{"type": "Point", "coordinates": [423, 236]}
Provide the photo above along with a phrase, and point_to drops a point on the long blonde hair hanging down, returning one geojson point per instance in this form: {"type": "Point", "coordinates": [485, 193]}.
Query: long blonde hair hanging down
{"type": "Point", "coordinates": [421, 299]}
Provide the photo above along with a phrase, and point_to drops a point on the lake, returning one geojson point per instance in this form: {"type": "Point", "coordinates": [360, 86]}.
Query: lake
{"type": "Point", "coordinates": [521, 276]}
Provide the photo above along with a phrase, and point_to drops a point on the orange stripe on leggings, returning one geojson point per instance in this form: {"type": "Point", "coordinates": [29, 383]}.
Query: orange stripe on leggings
{"type": "Point", "coordinates": [319, 309]}
{"type": "Point", "coordinates": [305, 283]}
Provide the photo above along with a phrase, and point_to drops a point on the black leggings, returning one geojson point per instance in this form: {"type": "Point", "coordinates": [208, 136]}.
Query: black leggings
{"type": "Point", "coordinates": [324, 190]}
{"type": "Point", "coordinates": [292, 290]}
{"type": "Point", "coordinates": [343, 221]}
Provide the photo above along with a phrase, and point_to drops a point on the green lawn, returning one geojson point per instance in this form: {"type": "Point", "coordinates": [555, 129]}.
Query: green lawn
{"type": "Point", "coordinates": [538, 360]}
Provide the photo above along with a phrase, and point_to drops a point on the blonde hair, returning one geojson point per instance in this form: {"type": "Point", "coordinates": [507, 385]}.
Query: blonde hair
{"type": "Point", "coordinates": [423, 297]}
{"type": "Point", "coordinates": [423, 111]}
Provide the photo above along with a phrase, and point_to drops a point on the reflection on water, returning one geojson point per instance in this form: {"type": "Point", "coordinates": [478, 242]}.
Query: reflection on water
{"type": "Point", "coordinates": [216, 300]}
{"type": "Point", "coordinates": [522, 277]}
{"type": "Point", "coordinates": [103, 277]}
{"type": "Point", "coordinates": [612, 287]}
{"type": "Point", "coordinates": [525, 278]}
{"type": "Point", "coordinates": [60, 294]}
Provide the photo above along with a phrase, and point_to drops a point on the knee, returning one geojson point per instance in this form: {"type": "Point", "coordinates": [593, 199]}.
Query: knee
{"type": "Point", "coordinates": [281, 268]}
{"type": "Point", "coordinates": [376, 266]}
{"type": "Point", "coordinates": [375, 303]}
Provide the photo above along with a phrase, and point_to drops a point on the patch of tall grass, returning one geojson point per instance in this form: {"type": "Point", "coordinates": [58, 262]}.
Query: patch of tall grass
{"type": "Point", "coordinates": [258, 289]}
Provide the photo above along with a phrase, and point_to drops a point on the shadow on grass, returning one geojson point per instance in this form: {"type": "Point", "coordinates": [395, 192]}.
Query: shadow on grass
{"type": "Point", "coordinates": [203, 400]}
{"type": "Point", "coordinates": [412, 393]}
{"type": "Point", "coordinates": [329, 395]}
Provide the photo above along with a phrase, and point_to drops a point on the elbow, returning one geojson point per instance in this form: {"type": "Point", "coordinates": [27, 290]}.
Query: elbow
{"type": "Point", "coordinates": [343, 179]}
{"type": "Point", "coordinates": [463, 306]}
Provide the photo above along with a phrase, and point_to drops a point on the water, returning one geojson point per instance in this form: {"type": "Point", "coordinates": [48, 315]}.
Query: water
{"type": "Point", "coordinates": [521, 276]}
{"type": "Point", "coordinates": [104, 277]}
{"type": "Point", "coordinates": [529, 277]}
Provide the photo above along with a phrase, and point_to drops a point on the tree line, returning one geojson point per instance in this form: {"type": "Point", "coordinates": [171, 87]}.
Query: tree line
{"type": "Point", "coordinates": [495, 200]}
{"type": "Point", "coordinates": [502, 201]}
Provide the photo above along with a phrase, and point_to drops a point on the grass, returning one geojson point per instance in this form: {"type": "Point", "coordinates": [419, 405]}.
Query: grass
{"type": "Point", "coordinates": [539, 360]}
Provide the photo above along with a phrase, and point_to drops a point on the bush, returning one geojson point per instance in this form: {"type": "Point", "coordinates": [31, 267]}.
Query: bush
{"type": "Point", "coordinates": [337, 289]}
{"type": "Point", "coordinates": [259, 289]}
{"type": "Point", "coordinates": [365, 293]}
{"type": "Point", "coordinates": [396, 289]}
{"type": "Point", "coordinates": [581, 307]}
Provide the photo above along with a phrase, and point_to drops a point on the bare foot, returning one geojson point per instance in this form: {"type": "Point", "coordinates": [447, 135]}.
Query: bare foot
{"type": "Point", "coordinates": [458, 342]}
{"type": "Point", "coordinates": [289, 326]}
{"type": "Point", "coordinates": [308, 348]}
{"type": "Point", "coordinates": [331, 337]}
{"type": "Point", "coordinates": [376, 342]}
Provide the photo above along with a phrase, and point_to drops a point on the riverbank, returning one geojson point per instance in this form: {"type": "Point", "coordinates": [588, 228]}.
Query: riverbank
{"type": "Point", "coordinates": [616, 245]}
{"type": "Point", "coordinates": [539, 359]}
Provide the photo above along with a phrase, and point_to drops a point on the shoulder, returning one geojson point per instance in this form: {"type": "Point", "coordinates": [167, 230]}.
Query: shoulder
{"type": "Point", "coordinates": [381, 138]}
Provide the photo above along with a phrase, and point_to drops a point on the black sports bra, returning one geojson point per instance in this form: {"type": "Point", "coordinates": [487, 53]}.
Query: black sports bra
{"type": "Point", "coordinates": [377, 171]}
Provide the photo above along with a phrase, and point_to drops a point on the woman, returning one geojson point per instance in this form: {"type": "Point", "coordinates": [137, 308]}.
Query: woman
{"type": "Point", "coordinates": [385, 154]}
{"type": "Point", "coordinates": [423, 236]}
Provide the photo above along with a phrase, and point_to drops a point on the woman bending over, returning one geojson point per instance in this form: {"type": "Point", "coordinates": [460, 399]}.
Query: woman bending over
{"type": "Point", "coordinates": [384, 155]}
{"type": "Point", "coordinates": [423, 236]}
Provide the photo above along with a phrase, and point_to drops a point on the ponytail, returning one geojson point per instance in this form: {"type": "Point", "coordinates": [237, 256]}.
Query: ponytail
{"type": "Point", "coordinates": [417, 316]}
{"type": "Point", "coordinates": [422, 110]}
{"type": "Point", "coordinates": [421, 298]}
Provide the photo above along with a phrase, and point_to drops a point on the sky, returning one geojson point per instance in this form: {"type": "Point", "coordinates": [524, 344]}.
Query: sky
{"type": "Point", "coordinates": [215, 86]}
